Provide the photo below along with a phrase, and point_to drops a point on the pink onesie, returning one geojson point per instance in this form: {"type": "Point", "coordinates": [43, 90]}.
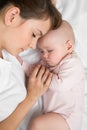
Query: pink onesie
{"type": "Point", "coordinates": [65, 94]}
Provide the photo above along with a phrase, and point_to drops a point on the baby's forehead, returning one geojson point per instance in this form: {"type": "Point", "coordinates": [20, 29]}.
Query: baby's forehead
{"type": "Point", "coordinates": [64, 32]}
{"type": "Point", "coordinates": [56, 35]}
{"type": "Point", "coordinates": [61, 34]}
{"type": "Point", "coordinates": [51, 39]}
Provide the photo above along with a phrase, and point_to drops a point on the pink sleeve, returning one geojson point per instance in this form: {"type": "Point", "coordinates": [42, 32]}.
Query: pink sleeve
{"type": "Point", "coordinates": [69, 77]}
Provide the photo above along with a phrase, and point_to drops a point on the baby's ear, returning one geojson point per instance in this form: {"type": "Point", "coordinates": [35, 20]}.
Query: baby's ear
{"type": "Point", "coordinates": [69, 46]}
{"type": "Point", "coordinates": [11, 15]}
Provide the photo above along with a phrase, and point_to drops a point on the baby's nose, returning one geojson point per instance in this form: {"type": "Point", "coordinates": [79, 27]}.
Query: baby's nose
{"type": "Point", "coordinates": [45, 55]}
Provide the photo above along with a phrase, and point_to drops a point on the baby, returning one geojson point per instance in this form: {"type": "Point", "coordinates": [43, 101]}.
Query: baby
{"type": "Point", "coordinates": [63, 102]}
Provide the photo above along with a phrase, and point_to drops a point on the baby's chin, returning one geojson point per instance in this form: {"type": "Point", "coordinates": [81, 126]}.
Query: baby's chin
{"type": "Point", "coordinates": [52, 64]}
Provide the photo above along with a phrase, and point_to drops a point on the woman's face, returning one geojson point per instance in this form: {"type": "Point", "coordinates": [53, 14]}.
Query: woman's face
{"type": "Point", "coordinates": [18, 38]}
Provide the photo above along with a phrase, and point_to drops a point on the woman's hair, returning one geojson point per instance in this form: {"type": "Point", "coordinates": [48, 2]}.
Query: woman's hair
{"type": "Point", "coordinates": [36, 9]}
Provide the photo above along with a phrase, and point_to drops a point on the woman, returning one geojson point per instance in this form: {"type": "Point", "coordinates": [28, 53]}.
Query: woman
{"type": "Point", "coordinates": [22, 23]}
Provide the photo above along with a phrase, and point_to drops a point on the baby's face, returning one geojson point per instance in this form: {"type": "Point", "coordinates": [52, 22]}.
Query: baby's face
{"type": "Point", "coordinates": [52, 50]}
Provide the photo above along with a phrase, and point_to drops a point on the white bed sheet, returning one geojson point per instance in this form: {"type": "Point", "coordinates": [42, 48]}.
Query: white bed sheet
{"type": "Point", "coordinates": [76, 13]}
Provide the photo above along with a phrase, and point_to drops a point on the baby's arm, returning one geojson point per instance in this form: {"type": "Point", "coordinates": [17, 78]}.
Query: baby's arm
{"type": "Point", "coordinates": [71, 73]}
{"type": "Point", "coordinates": [66, 87]}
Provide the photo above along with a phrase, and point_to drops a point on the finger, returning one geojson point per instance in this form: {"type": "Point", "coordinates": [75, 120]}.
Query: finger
{"type": "Point", "coordinates": [48, 79]}
{"type": "Point", "coordinates": [35, 71]}
{"type": "Point", "coordinates": [45, 75]}
{"type": "Point", "coordinates": [41, 72]}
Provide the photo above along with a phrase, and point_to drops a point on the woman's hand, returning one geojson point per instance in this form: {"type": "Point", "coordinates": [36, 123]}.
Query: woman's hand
{"type": "Point", "coordinates": [39, 81]}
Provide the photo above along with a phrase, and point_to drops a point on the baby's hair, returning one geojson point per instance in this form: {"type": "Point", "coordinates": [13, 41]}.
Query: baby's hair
{"type": "Point", "coordinates": [35, 9]}
{"type": "Point", "coordinates": [67, 30]}
{"type": "Point", "coordinates": [64, 32]}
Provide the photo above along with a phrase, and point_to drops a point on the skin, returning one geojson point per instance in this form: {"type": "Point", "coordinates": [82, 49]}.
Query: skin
{"type": "Point", "coordinates": [55, 45]}
{"type": "Point", "coordinates": [54, 2]}
{"type": "Point", "coordinates": [30, 30]}
{"type": "Point", "coordinates": [52, 121]}
{"type": "Point", "coordinates": [16, 35]}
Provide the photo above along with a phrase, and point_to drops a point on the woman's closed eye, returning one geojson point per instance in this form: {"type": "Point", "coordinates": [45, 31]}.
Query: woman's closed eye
{"type": "Point", "coordinates": [34, 35]}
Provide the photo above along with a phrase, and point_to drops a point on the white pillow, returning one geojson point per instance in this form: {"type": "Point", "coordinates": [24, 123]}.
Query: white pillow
{"type": "Point", "coordinates": [76, 13]}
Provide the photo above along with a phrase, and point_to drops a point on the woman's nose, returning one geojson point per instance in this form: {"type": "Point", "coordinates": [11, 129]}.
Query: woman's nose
{"type": "Point", "coordinates": [33, 45]}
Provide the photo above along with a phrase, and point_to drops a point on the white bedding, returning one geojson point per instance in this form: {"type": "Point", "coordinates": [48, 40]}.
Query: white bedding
{"type": "Point", "coordinates": [76, 13]}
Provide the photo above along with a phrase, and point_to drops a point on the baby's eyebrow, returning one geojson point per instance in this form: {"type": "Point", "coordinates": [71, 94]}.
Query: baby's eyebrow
{"type": "Point", "coordinates": [39, 48]}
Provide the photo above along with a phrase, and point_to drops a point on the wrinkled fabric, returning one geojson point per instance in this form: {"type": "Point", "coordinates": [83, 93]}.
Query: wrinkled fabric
{"type": "Point", "coordinates": [66, 91]}
{"type": "Point", "coordinates": [12, 88]}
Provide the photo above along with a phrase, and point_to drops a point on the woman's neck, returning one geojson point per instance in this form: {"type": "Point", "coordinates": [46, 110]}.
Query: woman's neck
{"type": "Point", "coordinates": [1, 54]}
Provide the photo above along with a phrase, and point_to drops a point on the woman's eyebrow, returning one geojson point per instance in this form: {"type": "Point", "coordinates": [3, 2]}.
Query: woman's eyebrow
{"type": "Point", "coordinates": [41, 34]}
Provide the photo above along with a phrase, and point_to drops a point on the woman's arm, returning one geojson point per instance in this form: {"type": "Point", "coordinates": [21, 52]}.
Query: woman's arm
{"type": "Point", "coordinates": [37, 85]}
{"type": "Point", "coordinates": [12, 122]}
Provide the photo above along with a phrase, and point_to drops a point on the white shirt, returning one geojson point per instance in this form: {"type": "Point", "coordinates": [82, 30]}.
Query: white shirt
{"type": "Point", "coordinates": [12, 88]}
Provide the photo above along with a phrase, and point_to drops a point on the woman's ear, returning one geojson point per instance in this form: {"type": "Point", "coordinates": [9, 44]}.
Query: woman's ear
{"type": "Point", "coordinates": [54, 2]}
{"type": "Point", "coordinates": [11, 15]}
{"type": "Point", "coordinates": [69, 46]}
